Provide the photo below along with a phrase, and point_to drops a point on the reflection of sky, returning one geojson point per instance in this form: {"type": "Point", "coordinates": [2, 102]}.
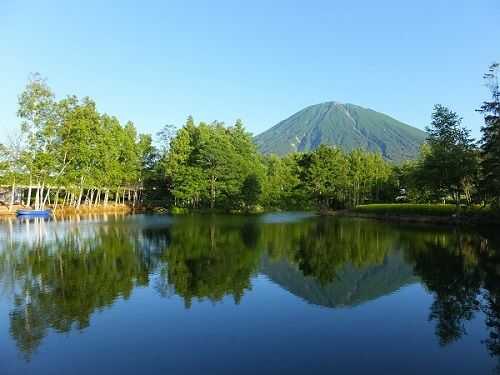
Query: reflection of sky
{"type": "Point", "coordinates": [37, 230]}
{"type": "Point", "coordinates": [285, 217]}
{"type": "Point", "coordinates": [43, 231]}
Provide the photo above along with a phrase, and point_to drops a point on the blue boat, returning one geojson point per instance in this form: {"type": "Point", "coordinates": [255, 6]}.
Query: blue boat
{"type": "Point", "coordinates": [34, 213]}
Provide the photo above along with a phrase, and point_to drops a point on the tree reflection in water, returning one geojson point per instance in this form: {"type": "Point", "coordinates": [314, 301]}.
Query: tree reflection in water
{"type": "Point", "coordinates": [59, 274]}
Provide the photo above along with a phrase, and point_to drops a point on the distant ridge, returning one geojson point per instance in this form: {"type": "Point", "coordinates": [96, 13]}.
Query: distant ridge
{"type": "Point", "coordinates": [347, 126]}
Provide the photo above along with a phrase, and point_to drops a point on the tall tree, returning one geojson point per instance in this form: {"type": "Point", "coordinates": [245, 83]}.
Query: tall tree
{"type": "Point", "coordinates": [40, 123]}
{"type": "Point", "coordinates": [490, 142]}
{"type": "Point", "coordinates": [323, 174]}
{"type": "Point", "coordinates": [450, 166]}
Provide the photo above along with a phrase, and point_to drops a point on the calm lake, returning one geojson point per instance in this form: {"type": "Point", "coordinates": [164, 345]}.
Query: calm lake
{"type": "Point", "coordinates": [276, 293]}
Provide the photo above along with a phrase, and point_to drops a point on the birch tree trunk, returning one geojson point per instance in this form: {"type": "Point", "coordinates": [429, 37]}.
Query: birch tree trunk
{"type": "Point", "coordinates": [37, 197]}
{"type": "Point", "coordinates": [91, 198]}
{"type": "Point", "coordinates": [29, 194]}
{"type": "Point", "coordinates": [47, 197]}
{"type": "Point", "coordinates": [65, 198]}
{"type": "Point", "coordinates": [79, 199]}
{"type": "Point", "coordinates": [56, 201]}
{"type": "Point", "coordinates": [81, 194]}
{"type": "Point", "coordinates": [12, 196]}
{"type": "Point", "coordinates": [40, 197]}
{"type": "Point", "coordinates": [86, 202]}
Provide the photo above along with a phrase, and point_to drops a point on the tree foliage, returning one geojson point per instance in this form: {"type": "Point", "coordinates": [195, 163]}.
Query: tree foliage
{"type": "Point", "coordinates": [68, 143]}
{"type": "Point", "coordinates": [490, 142]}
{"type": "Point", "coordinates": [208, 164]}
{"type": "Point", "coordinates": [449, 165]}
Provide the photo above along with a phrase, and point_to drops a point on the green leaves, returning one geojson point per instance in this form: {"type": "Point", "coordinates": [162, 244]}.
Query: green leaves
{"type": "Point", "coordinates": [334, 179]}
{"type": "Point", "coordinates": [450, 163]}
{"type": "Point", "coordinates": [208, 164]}
{"type": "Point", "coordinates": [490, 142]}
{"type": "Point", "coordinates": [68, 142]}
{"type": "Point", "coordinates": [251, 190]}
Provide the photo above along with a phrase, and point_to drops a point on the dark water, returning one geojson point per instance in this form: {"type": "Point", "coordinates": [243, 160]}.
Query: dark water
{"type": "Point", "coordinates": [282, 293]}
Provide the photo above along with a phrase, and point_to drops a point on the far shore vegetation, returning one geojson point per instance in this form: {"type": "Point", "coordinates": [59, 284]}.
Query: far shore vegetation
{"type": "Point", "coordinates": [428, 213]}
{"type": "Point", "coordinates": [68, 154]}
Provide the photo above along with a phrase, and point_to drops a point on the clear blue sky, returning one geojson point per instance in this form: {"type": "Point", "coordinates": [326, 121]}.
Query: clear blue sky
{"type": "Point", "coordinates": [156, 62]}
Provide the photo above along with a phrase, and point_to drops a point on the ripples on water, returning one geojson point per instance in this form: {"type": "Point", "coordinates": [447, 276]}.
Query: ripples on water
{"type": "Point", "coordinates": [283, 292]}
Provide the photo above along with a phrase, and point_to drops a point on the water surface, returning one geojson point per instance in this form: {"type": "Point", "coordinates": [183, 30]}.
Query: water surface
{"type": "Point", "coordinates": [277, 293]}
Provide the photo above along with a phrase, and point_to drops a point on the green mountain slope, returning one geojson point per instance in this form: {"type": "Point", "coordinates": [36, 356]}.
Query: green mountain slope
{"type": "Point", "coordinates": [345, 125]}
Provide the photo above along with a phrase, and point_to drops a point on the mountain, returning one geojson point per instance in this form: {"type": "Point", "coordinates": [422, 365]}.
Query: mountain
{"type": "Point", "coordinates": [345, 125]}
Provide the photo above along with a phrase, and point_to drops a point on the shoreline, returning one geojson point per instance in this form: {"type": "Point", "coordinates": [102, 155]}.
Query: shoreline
{"type": "Point", "coordinates": [72, 210]}
{"type": "Point", "coordinates": [417, 218]}
{"type": "Point", "coordinates": [394, 217]}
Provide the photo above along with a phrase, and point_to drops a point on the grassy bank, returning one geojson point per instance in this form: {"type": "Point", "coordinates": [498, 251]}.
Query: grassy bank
{"type": "Point", "coordinates": [446, 213]}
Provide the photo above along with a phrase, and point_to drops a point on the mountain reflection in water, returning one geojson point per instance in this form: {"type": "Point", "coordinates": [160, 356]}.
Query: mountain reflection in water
{"type": "Point", "coordinates": [55, 275]}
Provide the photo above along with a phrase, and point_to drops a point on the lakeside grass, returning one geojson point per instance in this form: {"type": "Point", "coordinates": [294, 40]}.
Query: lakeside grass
{"type": "Point", "coordinates": [432, 210]}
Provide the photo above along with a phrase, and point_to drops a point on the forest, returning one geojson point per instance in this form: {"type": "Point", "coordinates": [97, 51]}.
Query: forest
{"type": "Point", "coordinates": [69, 154]}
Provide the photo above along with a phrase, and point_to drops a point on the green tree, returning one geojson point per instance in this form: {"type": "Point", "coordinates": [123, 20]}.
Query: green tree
{"type": "Point", "coordinates": [39, 126]}
{"type": "Point", "coordinates": [207, 164]}
{"type": "Point", "coordinates": [490, 142]}
{"type": "Point", "coordinates": [70, 145]}
{"type": "Point", "coordinates": [280, 188]}
{"type": "Point", "coordinates": [12, 170]}
{"type": "Point", "coordinates": [323, 175]}
{"type": "Point", "coordinates": [251, 190]}
{"type": "Point", "coordinates": [450, 166]}
{"type": "Point", "coordinates": [332, 179]}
